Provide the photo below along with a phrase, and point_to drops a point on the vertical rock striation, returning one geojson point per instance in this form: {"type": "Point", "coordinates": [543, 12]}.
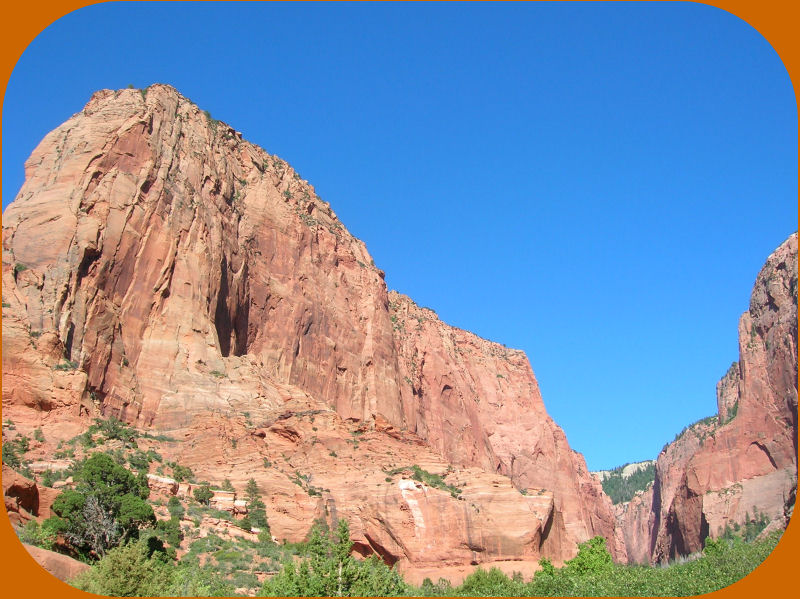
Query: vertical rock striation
{"type": "Point", "coordinates": [159, 268]}
{"type": "Point", "coordinates": [724, 470]}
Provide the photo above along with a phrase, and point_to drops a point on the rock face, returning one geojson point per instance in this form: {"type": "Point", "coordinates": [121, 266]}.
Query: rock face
{"type": "Point", "coordinates": [61, 566]}
{"type": "Point", "coordinates": [478, 403]}
{"type": "Point", "coordinates": [724, 469]}
{"type": "Point", "coordinates": [160, 269]}
{"type": "Point", "coordinates": [24, 499]}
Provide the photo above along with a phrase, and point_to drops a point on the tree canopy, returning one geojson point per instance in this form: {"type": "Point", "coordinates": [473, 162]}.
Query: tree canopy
{"type": "Point", "coordinates": [106, 507]}
{"type": "Point", "coordinates": [330, 571]}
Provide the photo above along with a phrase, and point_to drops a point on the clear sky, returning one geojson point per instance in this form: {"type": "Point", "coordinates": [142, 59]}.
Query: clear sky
{"type": "Point", "coordinates": [596, 184]}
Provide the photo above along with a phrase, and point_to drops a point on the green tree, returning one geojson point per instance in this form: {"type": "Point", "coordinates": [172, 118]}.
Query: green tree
{"type": "Point", "coordinates": [592, 558]}
{"type": "Point", "coordinates": [203, 494]}
{"type": "Point", "coordinates": [105, 508]}
{"type": "Point", "coordinates": [135, 569]}
{"type": "Point", "coordinates": [487, 583]}
{"type": "Point", "coordinates": [175, 508]}
{"type": "Point", "coordinates": [256, 510]}
{"type": "Point", "coordinates": [171, 531]}
{"type": "Point", "coordinates": [330, 571]}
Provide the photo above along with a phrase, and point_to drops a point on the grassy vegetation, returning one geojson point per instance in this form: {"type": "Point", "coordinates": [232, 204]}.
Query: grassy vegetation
{"type": "Point", "coordinates": [66, 365]}
{"type": "Point", "coordinates": [423, 476]}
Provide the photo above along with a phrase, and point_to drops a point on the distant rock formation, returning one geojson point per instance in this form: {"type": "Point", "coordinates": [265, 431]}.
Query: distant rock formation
{"type": "Point", "coordinates": [742, 463]}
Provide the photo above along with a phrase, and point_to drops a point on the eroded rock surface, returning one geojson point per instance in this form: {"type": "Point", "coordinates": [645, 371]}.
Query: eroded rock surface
{"type": "Point", "coordinates": [59, 565]}
{"type": "Point", "coordinates": [160, 269]}
{"type": "Point", "coordinates": [724, 470]}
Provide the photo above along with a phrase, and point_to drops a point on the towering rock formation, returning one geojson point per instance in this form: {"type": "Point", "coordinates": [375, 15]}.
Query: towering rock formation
{"type": "Point", "coordinates": [723, 470]}
{"type": "Point", "coordinates": [159, 268]}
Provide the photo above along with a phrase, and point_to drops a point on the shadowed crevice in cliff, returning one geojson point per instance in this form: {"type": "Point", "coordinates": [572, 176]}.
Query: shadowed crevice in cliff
{"type": "Point", "coordinates": [766, 453]}
{"type": "Point", "coordinates": [703, 527]}
{"type": "Point", "coordinates": [375, 548]}
{"type": "Point", "coordinates": [548, 526]}
{"type": "Point", "coordinates": [232, 314]}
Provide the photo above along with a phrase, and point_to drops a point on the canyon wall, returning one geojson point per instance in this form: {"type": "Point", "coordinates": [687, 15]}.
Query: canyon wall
{"type": "Point", "coordinates": [725, 470]}
{"type": "Point", "coordinates": [159, 268]}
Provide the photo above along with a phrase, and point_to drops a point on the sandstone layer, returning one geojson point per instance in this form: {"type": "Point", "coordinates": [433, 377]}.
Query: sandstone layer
{"type": "Point", "coordinates": [160, 269]}
{"type": "Point", "coordinates": [59, 565]}
{"type": "Point", "coordinates": [726, 469]}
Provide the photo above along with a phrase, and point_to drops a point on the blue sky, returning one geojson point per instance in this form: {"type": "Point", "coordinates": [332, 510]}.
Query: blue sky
{"type": "Point", "coordinates": [597, 184]}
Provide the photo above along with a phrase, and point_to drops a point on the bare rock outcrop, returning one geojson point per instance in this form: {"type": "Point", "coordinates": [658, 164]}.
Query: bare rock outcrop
{"type": "Point", "coordinates": [478, 404]}
{"type": "Point", "coordinates": [59, 565]}
{"type": "Point", "coordinates": [743, 462]}
{"type": "Point", "coordinates": [160, 269]}
{"type": "Point", "coordinates": [24, 499]}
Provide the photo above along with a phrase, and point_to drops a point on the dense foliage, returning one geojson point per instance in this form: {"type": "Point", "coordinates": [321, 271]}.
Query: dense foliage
{"type": "Point", "coordinates": [326, 568]}
{"type": "Point", "coordinates": [330, 571]}
{"type": "Point", "coordinates": [144, 569]}
{"type": "Point", "coordinates": [106, 507]}
{"type": "Point", "coordinates": [256, 510]}
{"type": "Point", "coordinates": [592, 574]}
{"type": "Point", "coordinates": [622, 488]}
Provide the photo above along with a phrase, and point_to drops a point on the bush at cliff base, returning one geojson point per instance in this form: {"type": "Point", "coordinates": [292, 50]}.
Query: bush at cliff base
{"type": "Point", "coordinates": [330, 571]}
{"type": "Point", "coordinates": [144, 569]}
{"type": "Point", "coordinates": [592, 574]}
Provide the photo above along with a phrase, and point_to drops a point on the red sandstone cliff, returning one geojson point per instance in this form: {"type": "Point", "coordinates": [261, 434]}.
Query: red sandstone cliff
{"type": "Point", "coordinates": [745, 459]}
{"type": "Point", "coordinates": [159, 268]}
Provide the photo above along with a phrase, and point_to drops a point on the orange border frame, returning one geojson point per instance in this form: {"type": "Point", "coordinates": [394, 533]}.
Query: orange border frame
{"type": "Point", "coordinates": [22, 22]}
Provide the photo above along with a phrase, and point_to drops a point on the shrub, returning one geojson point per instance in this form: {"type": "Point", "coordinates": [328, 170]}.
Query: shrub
{"type": "Point", "coordinates": [113, 428]}
{"type": "Point", "coordinates": [175, 508]}
{"type": "Point", "coordinates": [133, 570]}
{"type": "Point", "coordinates": [191, 580]}
{"type": "Point", "coordinates": [48, 478]}
{"type": "Point", "coordinates": [181, 473]}
{"type": "Point", "coordinates": [203, 494]}
{"type": "Point", "coordinates": [139, 460]}
{"type": "Point", "coordinates": [66, 365]}
{"type": "Point", "coordinates": [42, 535]}
{"type": "Point", "coordinates": [430, 479]}
{"type": "Point", "coordinates": [330, 571]}
{"type": "Point", "coordinates": [10, 456]}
